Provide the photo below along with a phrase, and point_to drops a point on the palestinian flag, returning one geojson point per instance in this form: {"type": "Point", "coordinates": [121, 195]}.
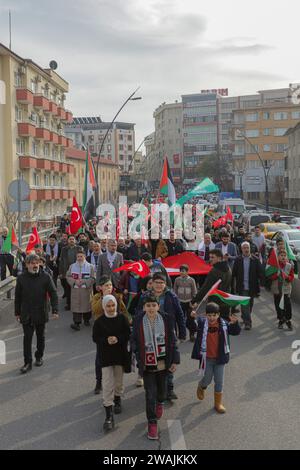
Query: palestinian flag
{"type": "Point", "coordinates": [229, 299]}
{"type": "Point", "coordinates": [166, 184]}
{"type": "Point", "coordinates": [11, 242]}
{"type": "Point", "coordinates": [272, 264]}
{"type": "Point", "coordinates": [88, 205]}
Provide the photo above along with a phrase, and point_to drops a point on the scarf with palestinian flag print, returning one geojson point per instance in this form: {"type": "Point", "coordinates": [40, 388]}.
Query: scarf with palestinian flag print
{"type": "Point", "coordinates": [155, 340]}
{"type": "Point", "coordinates": [203, 349]}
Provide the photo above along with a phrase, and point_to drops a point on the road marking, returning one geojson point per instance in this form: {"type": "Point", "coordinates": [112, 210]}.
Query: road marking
{"type": "Point", "coordinates": [176, 435]}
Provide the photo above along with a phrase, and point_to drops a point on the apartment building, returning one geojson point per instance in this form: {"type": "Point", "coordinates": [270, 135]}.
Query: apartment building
{"type": "Point", "coordinates": [32, 140]}
{"type": "Point", "coordinates": [168, 138]}
{"type": "Point", "coordinates": [119, 145]}
{"type": "Point", "coordinates": [292, 169]}
{"type": "Point", "coordinates": [259, 138]}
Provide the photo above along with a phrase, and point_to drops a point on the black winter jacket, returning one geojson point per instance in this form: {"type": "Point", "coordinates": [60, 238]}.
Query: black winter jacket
{"type": "Point", "coordinates": [31, 297]}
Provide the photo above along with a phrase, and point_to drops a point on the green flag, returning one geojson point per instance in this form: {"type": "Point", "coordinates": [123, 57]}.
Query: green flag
{"type": "Point", "coordinates": [205, 187]}
{"type": "Point", "coordinates": [7, 245]}
{"type": "Point", "coordinates": [290, 254]}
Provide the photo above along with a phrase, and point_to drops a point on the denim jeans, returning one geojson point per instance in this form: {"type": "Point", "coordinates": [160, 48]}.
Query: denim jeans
{"type": "Point", "coordinates": [216, 371]}
{"type": "Point", "coordinates": [155, 385]}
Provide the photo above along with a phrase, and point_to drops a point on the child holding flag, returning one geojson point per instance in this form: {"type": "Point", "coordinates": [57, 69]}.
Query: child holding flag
{"type": "Point", "coordinates": [282, 288]}
{"type": "Point", "coordinates": [212, 349]}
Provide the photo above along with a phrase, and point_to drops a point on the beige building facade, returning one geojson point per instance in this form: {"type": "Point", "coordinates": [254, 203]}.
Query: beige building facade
{"type": "Point", "coordinates": [32, 141]}
{"type": "Point", "coordinates": [292, 169]}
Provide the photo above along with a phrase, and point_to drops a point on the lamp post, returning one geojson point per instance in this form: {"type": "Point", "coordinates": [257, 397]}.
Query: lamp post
{"type": "Point", "coordinates": [241, 174]}
{"type": "Point", "coordinates": [265, 167]}
{"type": "Point", "coordinates": [130, 98]}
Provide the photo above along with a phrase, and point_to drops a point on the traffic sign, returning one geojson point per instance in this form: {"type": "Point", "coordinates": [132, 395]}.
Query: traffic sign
{"type": "Point", "coordinates": [16, 186]}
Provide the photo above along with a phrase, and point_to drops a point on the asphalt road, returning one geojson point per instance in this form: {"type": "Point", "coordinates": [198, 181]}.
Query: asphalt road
{"type": "Point", "coordinates": [54, 407]}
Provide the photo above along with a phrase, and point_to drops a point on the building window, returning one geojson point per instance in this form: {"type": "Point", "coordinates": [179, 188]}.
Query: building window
{"type": "Point", "coordinates": [121, 157]}
{"type": "Point", "coordinates": [279, 148]}
{"type": "Point", "coordinates": [267, 148]}
{"type": "Point", "coordinates": [46, 150]}
{"type": "Point", "coordinates": [18, 114]}
{"type": "Point", "coordinates": [34, 148]}
{"type": "Point", "coordinates": [251, 117]}
{"type": "Point", "coordinates": [266, 116]}
{"type": "Point", "coordinates": [296, 115]}
{"type": "Point", "coordinates": [47, 180]}
{"type": "Point", "coordinates": [20, 146]}
{"type": "Point", "coordinates": [252, 133]}
{"type": "Point", "coordinates": [280, 116]}
{"type": "Point", "coordinates": [121, 147]}
{"type": "Point", "coordinates": [267, 132]}
{"type": "Point", "coordinates": [36, 179]}
{"type": "Point", "coordinates": [18, 79]}
{"type": "Point", "coordinates": [34, 86]}
{"type": "Point", "coordinates": [121, 137]}
{"type": "Point", "coordinates": [91, 138]}
{"type": "Point", "coordinates": [109, 148]}
{"type": "Point", "coordinates": [279, 132]}
{"type": "Point", "coordinates": [129, 138]}
{"type": "Point", "coordinates": [130, 147]}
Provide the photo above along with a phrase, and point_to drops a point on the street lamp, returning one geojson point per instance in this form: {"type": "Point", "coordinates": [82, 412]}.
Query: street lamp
{"type": "Point", "coordinates": [130, 98]}
{"type": "Point", "coordinates": [264, 165]}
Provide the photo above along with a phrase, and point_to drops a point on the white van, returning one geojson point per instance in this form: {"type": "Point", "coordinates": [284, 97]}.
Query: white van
{"type": "Point", "coordinates": [237, 206]}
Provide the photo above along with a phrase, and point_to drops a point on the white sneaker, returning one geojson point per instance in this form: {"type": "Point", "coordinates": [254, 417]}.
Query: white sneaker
{"type": "Point", "coordinates": [139, 382]}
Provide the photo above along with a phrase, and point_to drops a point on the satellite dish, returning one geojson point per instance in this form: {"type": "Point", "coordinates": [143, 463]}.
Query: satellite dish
{"type": "Point", "coordinates": [53, 65]}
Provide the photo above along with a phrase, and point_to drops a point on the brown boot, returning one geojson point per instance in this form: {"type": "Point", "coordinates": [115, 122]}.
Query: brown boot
{"type": "Point", "coordinates": [200, 393]}
{"type": "Point", "coordinates": [218, 403]}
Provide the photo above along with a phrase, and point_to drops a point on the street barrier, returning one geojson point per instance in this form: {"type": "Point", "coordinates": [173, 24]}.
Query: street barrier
{"type": "Point", "coordinates": [7, 286]}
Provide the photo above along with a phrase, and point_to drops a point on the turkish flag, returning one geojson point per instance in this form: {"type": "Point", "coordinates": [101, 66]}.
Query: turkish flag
{"type": "Point", "coordinates": [139, 267]}
{"type": "Point", "coordinates": [33, 240]}
{"type": "Point", "coordinates": [76, 218]}
{"type": "Point", "coordinates": [229, 215]}
{"type": "Point", "coordinates": [220, 222]}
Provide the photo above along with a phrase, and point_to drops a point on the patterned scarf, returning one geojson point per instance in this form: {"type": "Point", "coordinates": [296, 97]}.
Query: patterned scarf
{"type": "Point", "coordinates": [155, 341]}
{"type": "Point", "coordinates": [111, 258]}
{"type": "Point", "coordinates": [81, 271]}
{"type": "Point", "coordinates": [204, 344]}
{"type": "Point", "coordinates": [52, 250]}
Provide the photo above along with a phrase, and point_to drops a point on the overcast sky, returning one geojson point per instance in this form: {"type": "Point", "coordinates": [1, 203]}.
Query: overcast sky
{"type": "Point", "coordinates": [107, 48]}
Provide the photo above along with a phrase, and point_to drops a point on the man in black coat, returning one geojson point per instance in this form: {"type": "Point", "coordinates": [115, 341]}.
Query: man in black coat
{"type": "Point", "coordinates": [31, 308]}
{"type": "Point", "coordinates": [220, 270]}
{"type": "Point", "coordinates": [247, 273]}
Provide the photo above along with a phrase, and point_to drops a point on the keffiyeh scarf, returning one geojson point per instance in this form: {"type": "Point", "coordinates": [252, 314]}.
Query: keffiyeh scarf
{"type": "Point", "coordinates": [155, 341]}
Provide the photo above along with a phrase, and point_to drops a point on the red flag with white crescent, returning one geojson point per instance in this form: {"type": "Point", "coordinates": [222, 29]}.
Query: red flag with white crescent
{"type": "Point", "coordinates": [34, 239]}
{"type": "Point", "coordinates": [139, 267]}
{"type": "Point", "coordinates": [76, 218]}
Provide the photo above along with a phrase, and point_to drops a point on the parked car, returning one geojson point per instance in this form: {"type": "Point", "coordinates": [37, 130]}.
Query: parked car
{"type": "Point", "coordinates": [237, 206]}
{"type": "Point", "coordinates": [287, 219]}
{"type": "Point", "coordinates": [295, 223]}
{"type": "Point", "coordinates": [269, 229]}
{"type": "Point", "coordinates": [250, 208]}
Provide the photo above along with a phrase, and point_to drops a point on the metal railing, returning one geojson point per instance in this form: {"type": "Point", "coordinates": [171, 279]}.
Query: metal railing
{"type": "Point", "coordinates": [279, 209]}
{"type": "Point", "coordinates": [7, 286]}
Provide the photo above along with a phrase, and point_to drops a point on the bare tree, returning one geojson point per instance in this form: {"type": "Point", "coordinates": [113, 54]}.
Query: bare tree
{"type": "Point", "coordinates": [7, 218]}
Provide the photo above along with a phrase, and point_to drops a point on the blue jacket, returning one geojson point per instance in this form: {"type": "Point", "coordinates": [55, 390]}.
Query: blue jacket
{"type": "Point", "coordinates": [138, 342]}
{"type": "Point", "coordinates": [171, 306]}
{"type": "Point", "coordinates": [232, 329]}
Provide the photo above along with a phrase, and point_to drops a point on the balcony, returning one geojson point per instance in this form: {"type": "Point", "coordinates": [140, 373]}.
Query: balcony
{"type": "Point", "coordinates": [40, 102]}
{"type": "Point", "coordinates": [64, 194]}
{"type": "Point", "coordinates": [69, 143]}
{"type": "Point", "coordinates": [43, 164]}
{"type": "Point", "coordinates": [56, 194]}
{"type": "Point", "coordinates": [54, 137]}
{"type": "Point", "coordinates": [27, 162]}
{"type": "Point", "coordinates": [62, 140]}
{"type": "Point", "coordinates": [69, 116]}
{"type": "Point", "coordinates": [53, 108]}
{"type": "Point", "coordinates": [55, 166]}
{"type": "Point", "coordinates": [26, 129]}
{"type": "Point", "coordinates": [61, 113]}
{"type": "Point", "coordinates": [44, 134]}
{"type": "Point", "coordinates": [24, 96]}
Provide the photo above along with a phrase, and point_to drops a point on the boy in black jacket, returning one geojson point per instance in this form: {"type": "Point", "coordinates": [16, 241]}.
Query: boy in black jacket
{"type": "Point", "coordinates": [154, 345]}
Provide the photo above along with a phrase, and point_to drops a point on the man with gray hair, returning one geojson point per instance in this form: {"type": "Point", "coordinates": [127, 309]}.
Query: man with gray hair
{"type": "Point", "coordinates": [31, 308]}
{"type": "Point", "coordinates": [247, 272]}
